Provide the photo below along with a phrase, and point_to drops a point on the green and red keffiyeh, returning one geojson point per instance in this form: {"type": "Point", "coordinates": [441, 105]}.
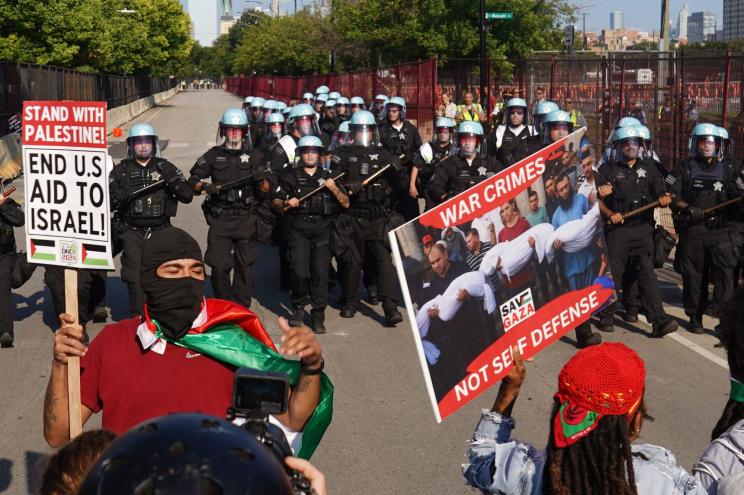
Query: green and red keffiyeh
{"type": "Point", "coordinates": [234, 335]}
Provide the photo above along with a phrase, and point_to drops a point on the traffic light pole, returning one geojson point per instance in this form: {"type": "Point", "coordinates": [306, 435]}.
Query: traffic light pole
{"type": "Point", "coordinates": [483, 57]}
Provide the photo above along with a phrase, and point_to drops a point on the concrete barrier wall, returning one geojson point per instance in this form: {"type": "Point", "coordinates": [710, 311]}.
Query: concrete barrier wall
{"type": "Point", "coordinates": [123, 114]}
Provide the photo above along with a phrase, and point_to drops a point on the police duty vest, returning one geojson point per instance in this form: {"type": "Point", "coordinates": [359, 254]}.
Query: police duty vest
{"type": "Point", "coordinates": [361, 166]}
{"type": "Point", "coordinates": [466, 176]}
{"type": "Point", "coordinates": [146, 206]}
{"type": "Point", "coordinates": [631, 188]}
{"type": "Point", "coordinates": [229, 166]}
{"type": "Point", "coordinates": [707, 186]}
{"type": "Point", "coordinates": [322, 202]}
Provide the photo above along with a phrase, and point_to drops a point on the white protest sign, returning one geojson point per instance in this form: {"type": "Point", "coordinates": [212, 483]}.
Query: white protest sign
{"type": "Point", "coordinates": [65, 171]}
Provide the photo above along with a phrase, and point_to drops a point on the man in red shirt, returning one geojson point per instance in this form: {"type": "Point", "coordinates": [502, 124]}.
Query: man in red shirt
{"type": "Point", "coordinates": [134, 369]}
{"type": "Point", "coordinates": [514, 226]}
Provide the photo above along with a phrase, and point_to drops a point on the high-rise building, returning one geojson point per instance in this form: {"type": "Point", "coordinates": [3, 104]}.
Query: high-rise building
{"type": "Point", "coordinates": [733, 19]}
{"type": "Point", "coordinates": [684, 12]}
{"type": "Point", "coordinates": [205, 19]}
{"type": "Point", "coordinates": [617, 20]}
{"type": "Point", "coordinates": [701, 27]}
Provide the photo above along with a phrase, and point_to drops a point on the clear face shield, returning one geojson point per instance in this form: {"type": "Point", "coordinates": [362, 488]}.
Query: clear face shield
{"type": "Point", "coordinates": [628, 149]}
{"type": "Point", "coordinates": [142, 147]}
{"type": "Point", "coordinates": [395, 113]}
{"type": "Point", "coordinates": [340, 139]}
{"type": "Point", "coordinates": [340, 110]}
{"type": "Point", "coordinates": [236, 137]}
{"type": "Point", "coordinates": [706, 146]}
{"type": "Point", "coordinates": [538, 120]}
{"type": "Point", "coordinates": [306, 125]}
{"type": "Point", "coordinates": [555, 131]}
{"type": "Point", "coordinates": [364, 135]}
{"type": "Point", "coordinates": [275, 129]}
{"type": "Point", "coordinates": [468, 145]}
{"type": "Point", "coordinates": [356, 107]}
{"type": "Point", "coordinates": [516, 116]}
{"type": "Point", "coordinates": [310, 156]}
{"type": "Point", "coordinates": [443, 135]}
{"type": "Point", "coordinates": [256, 114]}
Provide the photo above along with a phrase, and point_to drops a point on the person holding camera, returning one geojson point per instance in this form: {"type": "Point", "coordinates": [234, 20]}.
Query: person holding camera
{"type": "Point", "coordinates": [470, 110]}
{"type": "Point", "coordinates": [181, 355]}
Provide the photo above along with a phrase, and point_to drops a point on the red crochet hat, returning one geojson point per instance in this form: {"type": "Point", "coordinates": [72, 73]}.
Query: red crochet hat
{"type": "Point", "coordinates": [606, 379]}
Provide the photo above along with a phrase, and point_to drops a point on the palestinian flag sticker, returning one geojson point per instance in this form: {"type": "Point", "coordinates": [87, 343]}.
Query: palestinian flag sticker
{"type": "Point", "coordinates": [43, 250]}
{"type": "Point", "coordinates": [94, 255]}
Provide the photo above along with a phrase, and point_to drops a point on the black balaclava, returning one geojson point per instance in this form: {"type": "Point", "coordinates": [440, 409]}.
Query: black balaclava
{"type": "Point", "coordinates": [173, 302]}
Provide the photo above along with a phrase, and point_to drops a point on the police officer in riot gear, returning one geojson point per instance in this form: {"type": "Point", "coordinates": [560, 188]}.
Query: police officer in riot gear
{"type": "Point", "coordinates": [378, 107]}
{"type": "Point", "coordinates": [633, 183]}
{"type": "Point", "coordinates": [512, 141]}
{"type": "Point", "coordinates": [309, 214]}
{"type": "Point", "coordinates": [737, 221]}
{"type": "Point", "coordinates": [247, 106]}
{"type": "Point", "coordinates": [429, 156]}
{"type": "Point", "coordinates": [464, 168]}
{"type": "Point", "coordinates": [319, 105]}
{"type": "Point", "coordinates": [357, 103]}
{"type": "Point", "coordinates": [11, 215]}
{"type": "Point", "coordinates": [256, 119]}
{"type": "Point", "coordinates": [308, 98]}
{"type": "Point", "coordinates": [302, 122]}
{"type": "Point", "coordinates": [236, 170]}
{"type": "Point", "coordinates": [275, 130]}
{"type": "Point", "coordinates": [707, 244]}
{"type": "Point", "coordinates": [137, 211]}
{"type": "Point", "coordinates": [541, 111]}
{"type": "Point", "coordinates": [401, 139]}
{"type": "Point", "coordinates": [367, 214]}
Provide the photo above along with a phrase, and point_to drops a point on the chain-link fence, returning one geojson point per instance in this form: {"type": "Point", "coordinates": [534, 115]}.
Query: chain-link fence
{"type": "Point", "coordinates": [19, 82]}
{"type": "Point", "coordinates": [413, 81]}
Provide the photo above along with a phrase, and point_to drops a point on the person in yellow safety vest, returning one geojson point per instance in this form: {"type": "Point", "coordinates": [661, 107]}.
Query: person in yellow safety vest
{"type": "Point", "coordinates": [577, 118]}
{"type": "Point", "coordinates": [470, 111]}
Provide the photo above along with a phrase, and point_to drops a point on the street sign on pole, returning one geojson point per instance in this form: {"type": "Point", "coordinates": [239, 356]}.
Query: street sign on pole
{"type": "Point", "coordinates": [490, 16]}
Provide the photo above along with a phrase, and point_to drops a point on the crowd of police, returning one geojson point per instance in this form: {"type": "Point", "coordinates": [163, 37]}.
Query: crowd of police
{"type": "Point", "coordinates": [328, 178]}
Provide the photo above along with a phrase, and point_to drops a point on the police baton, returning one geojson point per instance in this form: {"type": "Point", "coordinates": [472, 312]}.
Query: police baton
{"type": "Point", "coordinates": [374, 176]}
{"type": "Point", "coordinates": [321, 187]}
{"type": "Point", "coordinates": [640, 210]}
{"type": "Point", "coordinates": [146, 189]}
{"type": "Point", "coordinates": [713, 209]}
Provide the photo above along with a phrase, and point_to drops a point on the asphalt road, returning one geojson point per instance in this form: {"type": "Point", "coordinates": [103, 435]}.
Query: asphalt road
{"type": "Point", "coordinates": [383, 438]}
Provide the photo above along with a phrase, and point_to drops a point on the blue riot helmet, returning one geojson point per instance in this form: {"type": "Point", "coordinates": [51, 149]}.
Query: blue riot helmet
{"type": "Point", "coordinates": [247, 104]}
{"type": "Point", "coordinates": [308, 98]}
{"type": "Point", "coordinates": [627, 142]}
{"type": "Point", "coordinates": [357, 103]}
{"type": "Point", "coordinates": [443, 128]}
{"type": "Point", "coordinates": [393, 103]}
{"type": "Point", "coordinates": [235, 118]}
{"type": "Point", "coordinates": [275, 125]}
{"type": "Point", "coordinates": [378, 103]}
{"type": "Point", "coordinates": [628, 122]}
{"type": "Point", "coordinates": [320, 102]}
{"type": "Point", "coordinates": [341, 137]}
{"type": "Point", "coordinates": [136, 139]}
{"type": "Point", "coordinates": [363, 128]}
{"type": "Point", "coordinates": [330, 103]}
{"type": "Point", "coordinates": [513, 106]}
{"type": "Point", "coordinates": [469, 138]}
{"type": "Point", "coordinates": [645, 135]}
{"type": "Point", "coordinates": [557, 124]}
{"type": "Point", "coordinates": [306, 144]}
{"type": "Point", "coordinates": [342, 106]}
{"type": "Point", "coordinates": [334, 95]}
{"type": "Point", "coordinates": [269, 107]}
{"type": "Point", "coordinates": [279, 106]}
{"type": "Point", "coordinates": [705, 141]}
{"type": "Point", "coordinates": [322, 90]}
{"type": "Point", "coordinates": [541, 111]}
{"type": "Point", "coordinates": [257, 109]}
{"type": "Point", "coordinates": [303, 120]}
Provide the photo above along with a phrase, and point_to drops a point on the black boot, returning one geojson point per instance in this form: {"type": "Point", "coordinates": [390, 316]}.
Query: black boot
{"type": "Point", "coordinates": [318, 325]}
{"type": "Point", "coordinates": [372, 296]}
{"type": "Point", "coordinates": [298, 315]}
{"type": "Point", "coordinates": [606, 324]}
{"type": "Point", "coordinates": [348, 311]}
{"type": "Point", "coordinates": [631, 314]}
{"type": "Point", "coordinates": [392, 317]}
{"type": "Point", "coordinates": [662, 327]}
{"type": "Point", "coordinates": [6, 339]}
{"type": "Point", "coordinates": [696, 325]}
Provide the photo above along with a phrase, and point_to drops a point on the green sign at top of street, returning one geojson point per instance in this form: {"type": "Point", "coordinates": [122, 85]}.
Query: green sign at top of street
{"type": "Point", "coordinates": [499, 15]}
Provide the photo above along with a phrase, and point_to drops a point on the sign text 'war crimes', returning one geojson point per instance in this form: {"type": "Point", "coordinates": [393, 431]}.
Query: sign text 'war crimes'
{"type": "Point", "coordinates": [67, 189]}
{"type": "Point", "coordinates": [65, 124]}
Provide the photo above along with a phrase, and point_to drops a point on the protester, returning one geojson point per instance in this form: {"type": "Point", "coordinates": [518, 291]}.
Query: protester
{"type": "Point", "coordinates": [447, 108]}
{"type": "Point", "coordinates": [168, 369]}
{"type": "Point", "coordinates": [598, 413]}
{"type": "Point", "coordinates": [68, 466]}
{"type": "Point", "coordinates": [470, 110]}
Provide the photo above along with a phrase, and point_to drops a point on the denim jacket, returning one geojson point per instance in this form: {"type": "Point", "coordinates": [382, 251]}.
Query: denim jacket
{"type": "Point", "coordinates": [518, 467]}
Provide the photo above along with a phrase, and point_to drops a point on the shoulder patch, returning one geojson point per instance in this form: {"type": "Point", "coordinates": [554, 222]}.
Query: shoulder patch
{"type": "Point", "coordinates": [670, 179]}
{"type": "Point", "coordinates": [336, 159]}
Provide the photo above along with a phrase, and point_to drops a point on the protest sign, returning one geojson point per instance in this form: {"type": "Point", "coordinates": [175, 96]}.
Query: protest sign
{"type": "Point", "coordinates": [66, 170]}
{"type": "Point", "coordinates": [517, 260]}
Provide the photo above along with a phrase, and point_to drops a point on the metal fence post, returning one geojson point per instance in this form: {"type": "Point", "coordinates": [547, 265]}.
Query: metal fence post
{"type": "Point", "coordinates": [726, 80]}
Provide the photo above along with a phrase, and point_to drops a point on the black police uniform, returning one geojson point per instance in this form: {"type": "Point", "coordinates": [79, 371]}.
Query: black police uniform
{"type": "Point", "coordinates": [426, 169]}
{"type": "Point", "coordinates": [403, 144]}
{"type": "Point", "coordinates": [308, 232]}
{"type": "Point", "coordinates": [706, 244]}
{"type": "Point", "coordinates": [630, 244]}
{"type": "Point", "coordinates": [136, 215]}
{"type": "Point", "coordinates": [11, 216]}
{"type": "Point", "coordinates": [514, 145]}
{"type": "Point", "coordinates": [368, 215]}
{"type": "Point", "coordinates": [231, 216]}
{"type": "Point", "coordinates": [455, 175]}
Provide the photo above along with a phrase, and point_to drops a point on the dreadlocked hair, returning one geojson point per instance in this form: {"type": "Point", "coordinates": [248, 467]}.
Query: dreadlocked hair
{"type": "Point", "coordinates": [595, 465]}
{"type": "Point", "coordinates": [731, 332]}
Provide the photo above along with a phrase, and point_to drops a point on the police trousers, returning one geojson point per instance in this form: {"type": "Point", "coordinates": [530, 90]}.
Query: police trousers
{"type": "Point", "coordinates": [367, 242]}
{"type": "Point", "coordinates": [631, 249]}
{"type": "Point", "coordinates": [231, 244]}
{"type": "Point", "coordinates": [7, 261]}
{"type": "Point", "coordinates": [309, 257]}
{"type": "Point", "coordinates": [706, 255]}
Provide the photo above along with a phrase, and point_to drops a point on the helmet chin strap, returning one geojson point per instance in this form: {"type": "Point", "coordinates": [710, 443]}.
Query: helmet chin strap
{"type": "Point", "coordinates": [233, 144]}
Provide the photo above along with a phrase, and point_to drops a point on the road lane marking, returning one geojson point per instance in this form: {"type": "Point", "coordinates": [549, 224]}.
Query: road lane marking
{"type": "Point", "coordinates": [699, 350]}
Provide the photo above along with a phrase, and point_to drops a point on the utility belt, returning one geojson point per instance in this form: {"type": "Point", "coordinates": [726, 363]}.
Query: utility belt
{"type": "Point", "coordinates": [301, 217]}
{"type": "Point", "coordinates": [152, 228]}
{"type": "Point", "coordinates": [371, 213]}
{"type": "Point", "coordinates": [219, 212]}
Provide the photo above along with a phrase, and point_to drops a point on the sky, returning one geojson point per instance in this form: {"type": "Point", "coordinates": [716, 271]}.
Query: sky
{"type": "Point", "coordinates": [643, 15]}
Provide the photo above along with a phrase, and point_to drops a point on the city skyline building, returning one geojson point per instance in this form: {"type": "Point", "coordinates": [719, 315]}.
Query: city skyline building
{"type": "Point", "coordinates": [205, 19]}
{"type": "Point", "coordinates": [733, 19]}
{"type": "Point", "coordinates": [701, 27]}
{"type": "Point", "coordinates": [684, 12]}
{"type": "Point", "coordinates": [617, 20]}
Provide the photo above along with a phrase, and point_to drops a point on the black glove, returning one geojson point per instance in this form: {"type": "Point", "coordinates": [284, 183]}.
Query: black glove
{"type": "Point", "coordinates": [694, 213]}
{"type": "Point", "coordinates": [211, 188]}
{"type": "Point", "coordinates": [355, 187]}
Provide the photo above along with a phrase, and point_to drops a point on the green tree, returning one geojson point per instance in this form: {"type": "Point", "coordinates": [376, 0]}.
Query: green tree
{"type": "Point", "coordinates": [646, 46]}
